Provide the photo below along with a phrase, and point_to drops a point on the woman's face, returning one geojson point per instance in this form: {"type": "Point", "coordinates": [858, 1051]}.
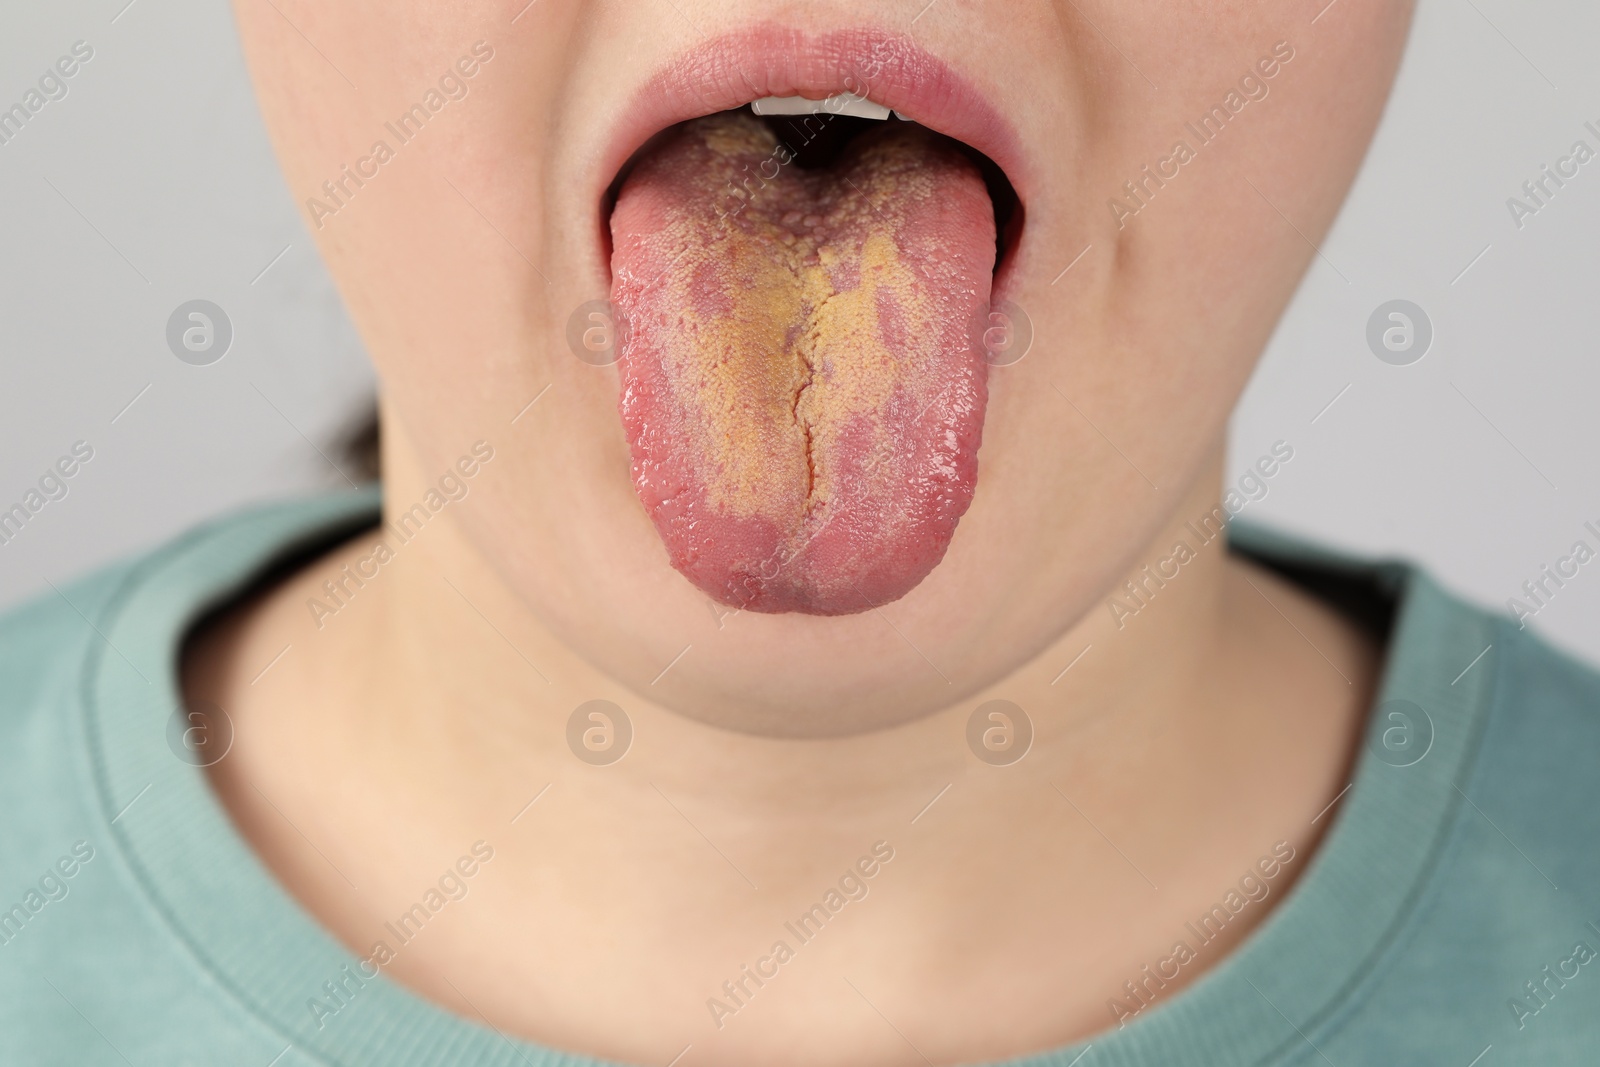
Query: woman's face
{"type": "Point", "coordinates": [1173, 164]}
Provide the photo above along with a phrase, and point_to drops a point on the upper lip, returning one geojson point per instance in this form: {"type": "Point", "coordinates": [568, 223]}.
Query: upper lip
{"type": "Point", "coordinates": [768, 59]}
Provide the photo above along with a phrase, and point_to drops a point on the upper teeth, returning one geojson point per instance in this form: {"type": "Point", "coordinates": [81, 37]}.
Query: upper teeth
{"type": "Point", "coordinates": [840, 104]}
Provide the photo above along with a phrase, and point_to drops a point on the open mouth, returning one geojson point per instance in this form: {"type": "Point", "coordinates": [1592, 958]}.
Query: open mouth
{"type": "Point", "coordinates": [804, 291]}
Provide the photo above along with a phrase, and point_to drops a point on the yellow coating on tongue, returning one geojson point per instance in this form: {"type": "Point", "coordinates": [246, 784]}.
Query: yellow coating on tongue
{"type": "Point", "coordinates": [794, 360]}
{"type": "Point", "coordinates": [735, 370]}
{"type": "Point", "coordinates": [861, 372]}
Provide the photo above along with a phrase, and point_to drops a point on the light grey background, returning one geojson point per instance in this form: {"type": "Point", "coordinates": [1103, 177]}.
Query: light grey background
{"type": "Point", "coordinates": [151, 183]}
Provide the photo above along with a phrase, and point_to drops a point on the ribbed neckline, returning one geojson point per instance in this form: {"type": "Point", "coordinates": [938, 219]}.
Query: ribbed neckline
{"type": "Point", "coordinates": [1268, 1001]}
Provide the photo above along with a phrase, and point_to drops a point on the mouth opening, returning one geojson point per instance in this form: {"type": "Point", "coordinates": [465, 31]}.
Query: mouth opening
{"type": "Point", "coordinates": [817, 145]}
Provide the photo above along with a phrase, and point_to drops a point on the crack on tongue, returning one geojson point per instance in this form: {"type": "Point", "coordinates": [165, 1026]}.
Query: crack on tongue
{"type": "Point", "coordinates": [801, 399]}
{"type": "Point", "coordinates": [811, 465]}
{"type": "Point", "coordinates": [805, 350]}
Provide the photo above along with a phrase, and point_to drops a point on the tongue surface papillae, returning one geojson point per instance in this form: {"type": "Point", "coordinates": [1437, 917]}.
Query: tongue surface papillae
{"type": "Point", "coordinates": [800, 391]}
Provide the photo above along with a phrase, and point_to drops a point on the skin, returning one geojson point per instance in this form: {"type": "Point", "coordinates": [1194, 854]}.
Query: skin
{"type": "Point", "coordinates": [771, 755]}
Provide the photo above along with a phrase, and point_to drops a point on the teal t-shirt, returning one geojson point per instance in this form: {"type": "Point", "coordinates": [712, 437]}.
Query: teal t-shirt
{"type": "Point", "coordinates": [1451, 915]}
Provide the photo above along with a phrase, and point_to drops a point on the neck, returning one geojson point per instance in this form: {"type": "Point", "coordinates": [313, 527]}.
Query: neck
{"type": "Point", "coordinates": [1153, 781]}
{"type": "Point", "coordinates": [444, 634]}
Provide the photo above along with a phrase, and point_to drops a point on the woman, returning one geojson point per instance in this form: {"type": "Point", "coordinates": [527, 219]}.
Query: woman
{"type": "Point", "coordinates": [799, 627]}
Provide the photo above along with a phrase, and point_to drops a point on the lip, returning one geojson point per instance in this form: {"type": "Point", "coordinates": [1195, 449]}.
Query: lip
{"type": "Point", "coordinates": [768, 59]}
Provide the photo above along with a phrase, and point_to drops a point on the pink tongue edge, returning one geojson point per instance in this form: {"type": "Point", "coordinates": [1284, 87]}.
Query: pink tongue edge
{"type": "Point", "coordinates": [870, 549]}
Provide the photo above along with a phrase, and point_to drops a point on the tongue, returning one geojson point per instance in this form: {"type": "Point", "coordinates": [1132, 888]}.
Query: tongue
{"type": "Point", "coordinates": [800, 391]}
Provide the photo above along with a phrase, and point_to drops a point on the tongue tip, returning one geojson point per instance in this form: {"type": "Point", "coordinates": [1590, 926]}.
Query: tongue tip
{"type": "Point", "coordinates": [834, 569]}
{"type": "Point", "coordinates": [750, 592]}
